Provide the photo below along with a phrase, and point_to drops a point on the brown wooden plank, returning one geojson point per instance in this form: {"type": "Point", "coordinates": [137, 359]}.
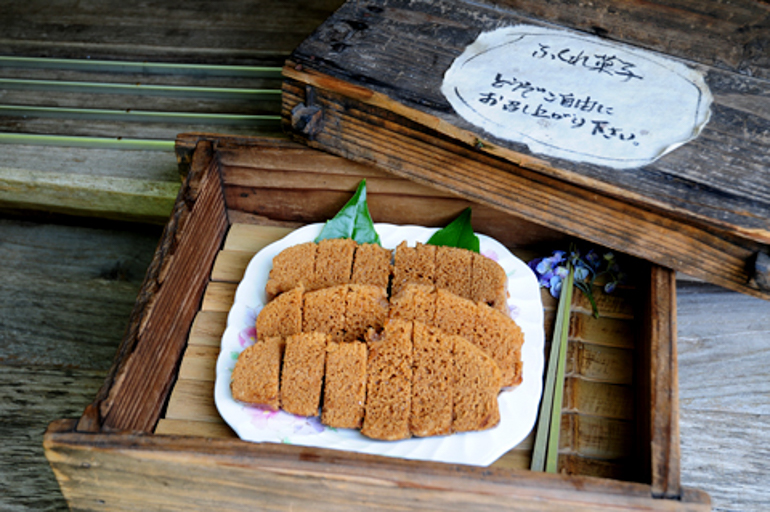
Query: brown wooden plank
{"type": "Point", "coordinates": [383, 59]}
{"type": "Point", "coordinates": [171, 427]}
{"type": "Point", "coordinates": [665, 453]}
{"type": "Point", "coordinates": [230, 265]}
{"type": "Point", "coordinates": [231, 32]}
{"type": "Point", "coordinates": [146, 369]}
{"type": "Point", "coordinates": [374, 135]}
{"type": "Point", "coordinates": [143, 471]}
{"type": "Point", "coordinates": [729, 36]}
{"type": "Point", "coordinates": [193, 400]}
{"type": "Point", "coordinates": [219, 296]}
{"type": "Point", "coordinates": [207, 328]}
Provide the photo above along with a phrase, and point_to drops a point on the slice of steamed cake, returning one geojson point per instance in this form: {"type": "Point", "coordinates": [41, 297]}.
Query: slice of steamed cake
{"type": "Point", "coordinates": [415, 302]}
{"type": "Point", "coordinates": [282, 316]}
{"type": "Point", "coordinates": [477, 382]}
{"type": "Point", "coordinates": [413, 265]}
{"type": "Point", "coordinates": [453, 270]}
{"type": "Point", "coordinates": [324, 311]}
{"type": "Point", "coordinates": [454, 314]}
{"type": "Point", "coordinates": [292, 267]}
{"type": "Point", "coordinates": [433, 373]}
{"type": "Point", "coordinates": [256, 377]}
{"type": "Point", "coordinates": [489, 284]}
{"type": "Point", "coordinates": [499, 336]}
{"type": "Point", "coordinates": [389, 383]}
{"type": "Point", "coordinates": [367, 307]}
{"type": "Point", "coordinates": [372, 265]}
{"type": "Point", "coordinates": [344, 385]}
{"type": "Point", "coordinates": [334, 262]}
{"type": "Point", "coordinates": [303, 372]}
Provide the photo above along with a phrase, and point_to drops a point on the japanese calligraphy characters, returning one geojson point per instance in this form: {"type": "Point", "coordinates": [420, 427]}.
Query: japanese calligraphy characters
{"type": "Point", "coordinates": [577, 97]}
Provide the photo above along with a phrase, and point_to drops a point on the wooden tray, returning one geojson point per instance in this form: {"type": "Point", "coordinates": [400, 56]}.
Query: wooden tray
{"type": "Point", "coordinates": [153, 439]}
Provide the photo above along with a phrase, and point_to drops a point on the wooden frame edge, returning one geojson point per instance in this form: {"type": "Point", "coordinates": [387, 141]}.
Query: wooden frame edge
{"type": "Point", "coordinates": [140, 378]}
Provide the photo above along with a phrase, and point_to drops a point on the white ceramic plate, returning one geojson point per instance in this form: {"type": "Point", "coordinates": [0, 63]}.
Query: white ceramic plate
{"type": "Point", "coordinates": [518, 407]}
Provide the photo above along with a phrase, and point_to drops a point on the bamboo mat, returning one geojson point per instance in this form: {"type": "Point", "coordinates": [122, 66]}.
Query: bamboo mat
{"type": "Point", "coordinates": [597, 436]}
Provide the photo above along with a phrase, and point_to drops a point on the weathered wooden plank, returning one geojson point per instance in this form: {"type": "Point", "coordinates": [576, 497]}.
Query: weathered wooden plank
{"type": "Point", "coordinates": [266, 472]}
{"type": "Point", "coordinates": [194, 428]}
{"type": "Point", "coordinates": [375, 135]}
{"type": "Point", "coordinates": [231, 32]}
{"type": "Point", "coordinates": [68, 289]}
{"type": "Point", "coordinates": [139, 73]}
{"type": "Point", "coordinates": [728, 36]}
{"type": "Point", "coordinates": [31, 397]}
{"type": "Point", "coordinates": [207, 328]}
{"type": "Point", "coordinates": [164, 130]}
{"type": "Point", "coordinates": [219, 297]}
{"type": "Point", "coordinates": [143, 375]}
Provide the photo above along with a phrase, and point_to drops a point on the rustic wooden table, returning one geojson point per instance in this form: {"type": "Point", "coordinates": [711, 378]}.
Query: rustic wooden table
{"type": "Point", "coordinates": [69, 280]}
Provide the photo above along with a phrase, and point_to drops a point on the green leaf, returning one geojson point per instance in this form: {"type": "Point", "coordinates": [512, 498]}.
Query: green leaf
{"type": "Point", "coordinates": [352, 221]}
{"type": "Point", "coordinates": [459, 233]}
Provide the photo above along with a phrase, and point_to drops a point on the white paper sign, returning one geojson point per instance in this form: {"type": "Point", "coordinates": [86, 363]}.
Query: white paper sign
{"type": "Point", "coordinates": [576, 96]}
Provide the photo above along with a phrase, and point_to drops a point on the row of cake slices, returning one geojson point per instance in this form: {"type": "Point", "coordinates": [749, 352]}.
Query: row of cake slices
{"type": "Point", "coordinates": [408, 379]}
{"type": "Point", "coordinates": [347, 312]}
{"type": "Point", "coordinates": [341, 261]}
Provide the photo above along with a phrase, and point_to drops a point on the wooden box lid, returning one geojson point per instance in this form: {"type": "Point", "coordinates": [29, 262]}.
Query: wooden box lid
{"type": "Point", "coordinates": [367, 85]}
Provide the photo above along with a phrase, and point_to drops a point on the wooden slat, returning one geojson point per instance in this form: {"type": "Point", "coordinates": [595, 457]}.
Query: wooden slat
{"type": "Point", "coordinates": [193, 400]}
{"type": "Point", "coordinates": [207, 328]}
{"type": "Point", "coordinates": [148, 364]}
{"type": "Point", "coordinates": [219, 297]}
{"type": "Point", "coordinates": [251, 239]}
{"type": "Point", "coordinates": [158, 471]}
{"type": "Point", "coordinates": [199, 363]}
{"type": "Point", "coordinates": [261, 35]}
{"type": "Point", "coordinates": [194, 428]}
{"type": "Point", "coordinates": [230, 266]}
{"type": "Point", "coordinates": [664, 386]}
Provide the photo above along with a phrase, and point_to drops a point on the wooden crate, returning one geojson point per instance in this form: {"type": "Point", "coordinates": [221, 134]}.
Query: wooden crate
{"type": "Point", "coordinates": [152, 438]}
{"type": "Point", "coordinates": [367, 85]}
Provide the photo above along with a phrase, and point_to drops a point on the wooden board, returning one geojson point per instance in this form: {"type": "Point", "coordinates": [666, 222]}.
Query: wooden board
{"type": "Point", "coordinates": [55, 349]}
{"type": "Point", "coordinates": [367, 86]}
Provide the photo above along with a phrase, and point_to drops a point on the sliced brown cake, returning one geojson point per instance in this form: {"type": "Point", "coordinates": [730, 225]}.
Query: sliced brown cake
{"type": "Point", "coordinates": [413, 265]}
{"type": "Point", "coordinates": [372, 265]}
{"type": "Point", "coordinates": [257, 373]}
{"type": "Point", "coordinates": [324, 311]}
{"type": "Point", "coordinates": [344, 385]}
{"type": "Point", "coordinates": [414, 302]}
{"type": "Point", "coordinates": [500, 337]}
{"type": "Point", "coordinates": [477, 382]}
{"type": "Point", "coordinates": [333, 262]}
{"type": "Point", "coordinates": [281, 316]}
{"type": "Point", "coordinates": [303, 372]}
{"type": "Point", "coordinates": [367, 307]}
{"type": "Point", "coordinates": [432, 381]}
{"type": "Point", "coordinates": [389, 383]}
{"type": "Point", "coordinates": [455, 314]}
{"type": "Point", "coordinates": [453, 270]}
{"type": "Point", "coordinates": [292, 267]}
{"type": "Point", "coordinates": [489, 283]}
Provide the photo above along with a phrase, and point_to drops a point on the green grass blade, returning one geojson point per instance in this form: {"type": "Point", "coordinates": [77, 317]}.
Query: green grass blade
{"type": "Point", "coordinates": [560, 337]}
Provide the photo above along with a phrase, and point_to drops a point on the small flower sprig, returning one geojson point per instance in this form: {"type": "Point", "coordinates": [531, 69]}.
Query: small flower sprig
{"type": "Point", "coordinates": [551, 271]}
